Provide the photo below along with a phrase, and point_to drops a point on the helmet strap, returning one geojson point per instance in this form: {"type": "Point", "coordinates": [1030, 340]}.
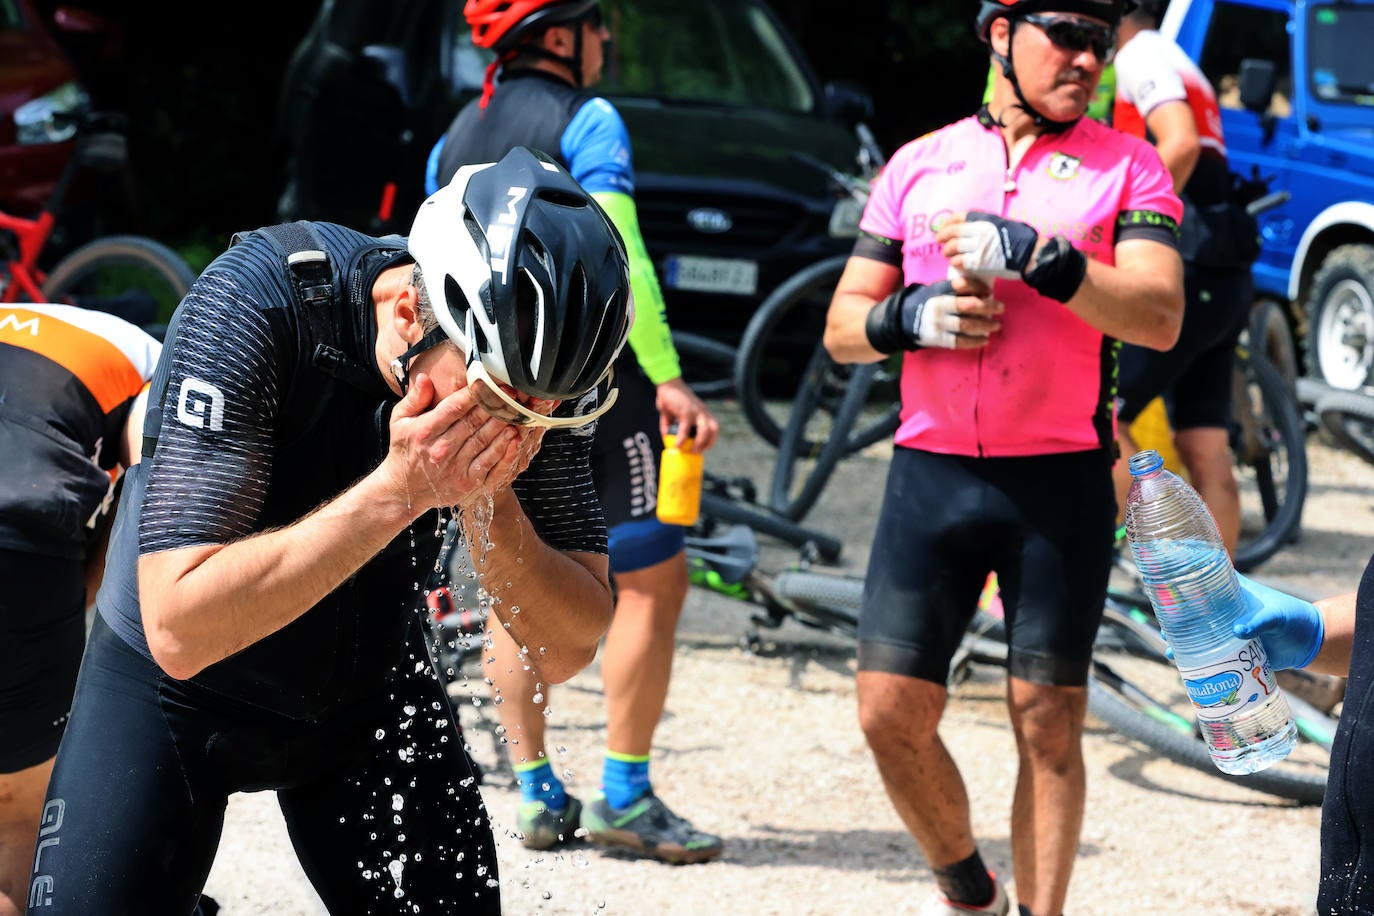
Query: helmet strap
{"type": "Point", "coordinates": [400, 366]}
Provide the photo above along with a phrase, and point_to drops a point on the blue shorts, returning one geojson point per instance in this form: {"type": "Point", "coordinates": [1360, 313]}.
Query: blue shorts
{"type": "Point", "coordinates": [625, 459]}
{"type": "Point", "coordinates": [1043, 523]}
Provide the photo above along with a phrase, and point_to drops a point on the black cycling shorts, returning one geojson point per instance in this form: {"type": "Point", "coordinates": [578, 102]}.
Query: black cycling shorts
{"type": "Point", "coordinates": [625, 462]}
{"type": "Point", "coordinates": [42, 631]}
{"type": "Point", "coordinates": [380, 799]}
{"type": "Point", "coordinates": [1043, 523]}
{"type": "Point", "coordinates": [1194, 377]}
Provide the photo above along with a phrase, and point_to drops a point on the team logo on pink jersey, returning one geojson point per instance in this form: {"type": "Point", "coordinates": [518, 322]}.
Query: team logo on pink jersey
{"type": "Point", "coordinates": [1063, 166]}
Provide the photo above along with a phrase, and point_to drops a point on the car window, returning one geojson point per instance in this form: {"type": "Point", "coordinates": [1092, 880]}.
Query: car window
{"type": "Point", "coordinates": [713, 51]}
{"type": "Point", "coordinates": [1239, 32]}
{"type": "Point", "coordinates": [1338, 46]}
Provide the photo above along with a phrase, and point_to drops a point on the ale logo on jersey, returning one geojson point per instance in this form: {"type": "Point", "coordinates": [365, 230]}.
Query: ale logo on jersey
{"type": "Point", "coordinates": [1063, 166]}
{"type": "Point", "coordinates": [200, 405]}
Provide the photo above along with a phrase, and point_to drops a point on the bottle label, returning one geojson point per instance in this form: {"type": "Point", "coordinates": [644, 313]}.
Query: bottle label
{"type": "Point", "coordinates": [1234, 684]}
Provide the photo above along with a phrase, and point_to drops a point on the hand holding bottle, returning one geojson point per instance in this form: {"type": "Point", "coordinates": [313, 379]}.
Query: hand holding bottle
{"type": "Point", "coordinates": [1290, 628]}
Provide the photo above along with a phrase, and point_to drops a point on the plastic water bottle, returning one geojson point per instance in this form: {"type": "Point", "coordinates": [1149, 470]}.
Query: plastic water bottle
{"type": "Point", "coordinates": [1192, 585]}
{"type": "Point", "coordinates": [679, 483]}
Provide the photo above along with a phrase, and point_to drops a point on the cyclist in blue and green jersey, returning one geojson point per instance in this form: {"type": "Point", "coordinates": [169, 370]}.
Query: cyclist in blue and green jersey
{"type": "Point", "coordinates": [547, 52]}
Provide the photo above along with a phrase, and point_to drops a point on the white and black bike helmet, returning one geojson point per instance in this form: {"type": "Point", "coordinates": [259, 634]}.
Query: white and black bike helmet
{"type": "Point", "coordinates": [526, 274]}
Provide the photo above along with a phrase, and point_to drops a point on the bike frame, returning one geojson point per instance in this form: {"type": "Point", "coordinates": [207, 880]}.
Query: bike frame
{"type": "Point", "coordinates": [24, 279]}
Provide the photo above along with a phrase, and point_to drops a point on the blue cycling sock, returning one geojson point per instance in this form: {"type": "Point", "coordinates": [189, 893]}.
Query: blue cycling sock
{"type": "Point", "coordinates": [624, 778]}
{"type": "Point", "coordinates": [537, 783]}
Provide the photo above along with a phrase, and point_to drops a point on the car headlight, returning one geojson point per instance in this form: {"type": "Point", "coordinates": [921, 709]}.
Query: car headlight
{"type": "Point", "coordinates": [844, 219]}
{"type": "Point", "coordinates": [37, 121]}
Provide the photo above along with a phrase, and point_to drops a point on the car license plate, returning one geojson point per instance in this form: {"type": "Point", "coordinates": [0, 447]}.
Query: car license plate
{"type": "Point", "coordinates": [712, 275]}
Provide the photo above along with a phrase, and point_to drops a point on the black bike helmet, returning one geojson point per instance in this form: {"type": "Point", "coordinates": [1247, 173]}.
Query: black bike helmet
{"type": "Point", "coordinates": [526, 274]}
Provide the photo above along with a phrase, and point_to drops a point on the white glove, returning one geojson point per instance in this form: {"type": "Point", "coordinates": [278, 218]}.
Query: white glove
{"type": "Point", "coordinates": [995, 248]}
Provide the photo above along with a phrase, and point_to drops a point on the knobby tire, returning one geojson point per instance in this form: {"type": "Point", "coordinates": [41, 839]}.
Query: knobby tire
{"type": "Point", "coordinates": [813, 285]}
{"type": "Point", "coordinates": [114, 251]}
{"type": "Point", "coordinates": [1348, 416]}
{"type": "Point", "coordinates": [1281, 436]}
{"type": "Point", "coordinates": [795, 502]}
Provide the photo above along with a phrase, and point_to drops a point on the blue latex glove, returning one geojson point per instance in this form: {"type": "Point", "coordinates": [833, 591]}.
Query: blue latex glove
{"type": "Point", "coordinates": [1290, 628]}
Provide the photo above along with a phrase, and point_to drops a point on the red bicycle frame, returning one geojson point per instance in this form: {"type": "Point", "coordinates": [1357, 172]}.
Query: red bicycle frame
{"type": "Point", "coordinates": [24, 281]}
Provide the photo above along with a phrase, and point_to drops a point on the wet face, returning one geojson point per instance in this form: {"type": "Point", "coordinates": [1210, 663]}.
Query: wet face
{"type": "Point", "coordinates": [446, 367]}
{"type": "Point", "coordinates": [1057, 60]}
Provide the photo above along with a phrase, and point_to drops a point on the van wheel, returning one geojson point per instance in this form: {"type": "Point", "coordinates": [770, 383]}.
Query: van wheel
{"type": "Point", "coordinates": [1340, 339]}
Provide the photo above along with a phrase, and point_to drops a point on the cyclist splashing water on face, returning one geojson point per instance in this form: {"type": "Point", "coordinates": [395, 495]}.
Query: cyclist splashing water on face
{"type": "Point", "coordinates": [1005, 254]}
{"type": "Point", "coordinates": [313, 413]}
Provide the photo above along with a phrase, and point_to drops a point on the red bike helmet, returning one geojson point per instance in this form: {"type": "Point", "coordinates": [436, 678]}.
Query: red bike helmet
{"type": "Point", "coordinates": [502, 24]}
{"type": "Point", "coordinates": [1109, 11]}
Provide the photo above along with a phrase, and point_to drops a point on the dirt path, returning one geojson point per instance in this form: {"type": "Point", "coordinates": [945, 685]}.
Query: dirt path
{"type": "Point", "coordinates": [764, 749]}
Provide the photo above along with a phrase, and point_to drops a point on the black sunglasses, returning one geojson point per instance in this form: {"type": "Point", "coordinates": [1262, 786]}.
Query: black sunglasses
{"type": "Point", "coordinates": [1076, 35]}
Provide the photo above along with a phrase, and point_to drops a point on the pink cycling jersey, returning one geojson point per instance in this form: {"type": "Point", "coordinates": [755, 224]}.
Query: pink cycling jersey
{"type": "Point", "coordinates": [1045, 383]}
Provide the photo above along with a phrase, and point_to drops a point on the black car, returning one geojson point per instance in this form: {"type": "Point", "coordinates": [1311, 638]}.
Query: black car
{"type": "Point", "coordinates": [715, 93]}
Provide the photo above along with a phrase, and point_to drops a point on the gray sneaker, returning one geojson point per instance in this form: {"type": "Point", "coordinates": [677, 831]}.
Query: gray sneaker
{"type": "Point", "coordinates": [541, 828]}
{"type": "Point", "coordinates": [649, 827]}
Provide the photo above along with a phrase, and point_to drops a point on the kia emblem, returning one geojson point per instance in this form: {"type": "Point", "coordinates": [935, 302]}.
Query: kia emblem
{"type": "Point", "coordinates": [710, 220]}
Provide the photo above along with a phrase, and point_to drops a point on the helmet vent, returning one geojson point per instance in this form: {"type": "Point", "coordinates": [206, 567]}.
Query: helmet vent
{"type": "Point", "coordinates": [561, 198]}
{"type": "Point", "coordinates": [455, 301]}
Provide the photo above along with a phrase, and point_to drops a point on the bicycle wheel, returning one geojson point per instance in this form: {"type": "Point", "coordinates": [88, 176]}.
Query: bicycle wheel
{"type": "Point", "coordinates": [1349, 417]}
{"type": "Point", "coordinates": [1135, 689]}
{"type": "Point", "coordinates": [707, 364]}
{"type": "Point", "coordinates": [1269, 444]}
{"type": "Point", "coordinates": [134, 277]}
{"type": "Point", "coordinates": [785, 332]}
{"type": "Point", "coordinates": [815, 440]}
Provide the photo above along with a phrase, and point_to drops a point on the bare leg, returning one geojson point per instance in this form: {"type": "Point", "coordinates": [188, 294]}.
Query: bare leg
{"type": "Point", "coordinates": [517, 685]}
{"type": "Point", "coordinates": [21, 804]}
{"type": "Point", "coordinates": [1051, 785]}
{"type": "Point", "coordinates": [900, 717]}
{"type": "Point", "coordinates": [1206, 452]}
{"type": "Point", "coordinates": [637, 659]}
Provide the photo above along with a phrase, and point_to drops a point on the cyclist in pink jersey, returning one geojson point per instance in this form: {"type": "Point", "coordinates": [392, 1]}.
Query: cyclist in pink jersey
{"type": "Point", "coordinates": [1006, 255]}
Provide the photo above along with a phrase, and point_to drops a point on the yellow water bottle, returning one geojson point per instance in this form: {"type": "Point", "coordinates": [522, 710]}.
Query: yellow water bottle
{"type": "Point", "coordinates": [679, 483]}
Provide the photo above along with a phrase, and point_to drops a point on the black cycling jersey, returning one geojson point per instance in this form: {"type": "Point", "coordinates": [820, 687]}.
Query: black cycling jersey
{"type": "Point", "coordinates": [269, 412]}
{"type": "Point", "coordinates": [531, 108]}
{"type": "Point", "coordinates": [1347, 862]}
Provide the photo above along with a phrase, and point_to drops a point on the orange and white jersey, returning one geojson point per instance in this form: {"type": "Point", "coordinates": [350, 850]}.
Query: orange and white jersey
{"type": "Point", "coordinates": [1152, 70]}
{"type": "Point", "coordinates": [68, 378]}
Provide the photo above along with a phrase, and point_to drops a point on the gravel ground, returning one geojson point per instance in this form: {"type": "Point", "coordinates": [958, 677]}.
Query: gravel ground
{"type": "Point", "coordinates": [763, 748]}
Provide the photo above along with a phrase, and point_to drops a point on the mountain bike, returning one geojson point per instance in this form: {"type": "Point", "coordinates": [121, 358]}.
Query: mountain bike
{"type": "Point", "coordinates": [132, 276]}
{"type": "Point", "coordinates": [1134, 688]}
